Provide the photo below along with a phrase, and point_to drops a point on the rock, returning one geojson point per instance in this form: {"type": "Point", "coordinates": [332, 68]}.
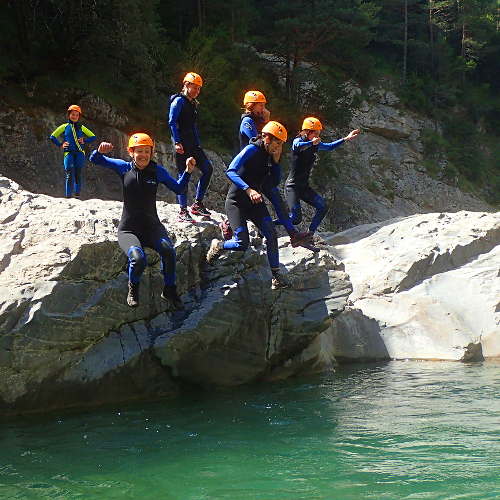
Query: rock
{"type": "Point", "coordinates": [67, 338]}
{"type": "Point", "coordinates": [424, 287]}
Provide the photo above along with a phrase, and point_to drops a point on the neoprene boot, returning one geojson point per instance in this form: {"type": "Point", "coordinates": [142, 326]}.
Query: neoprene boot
{"type": "Point", "coordinates": [133, 294]}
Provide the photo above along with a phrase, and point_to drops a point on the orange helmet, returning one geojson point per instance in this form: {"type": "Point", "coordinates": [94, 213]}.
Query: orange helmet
{"type": "Point", "coordinates": [140, 139]}
{"type": "Point", "coordinates": [74, 107]}
{"type": "Point", "coordinates": [311, 123]}
{"type": "Point", "coordinates": [275, 129]}
{"type": "Point", "coordinates": [193, 78]}
{"type": "Point", "coordinates": [254, 96]}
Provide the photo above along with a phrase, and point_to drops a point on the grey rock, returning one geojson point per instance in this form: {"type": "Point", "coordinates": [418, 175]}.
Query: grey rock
{"type": "Point", "coordinates": [67, 337]}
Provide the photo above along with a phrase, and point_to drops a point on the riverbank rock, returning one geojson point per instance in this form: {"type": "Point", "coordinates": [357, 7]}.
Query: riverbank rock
{"type": "Point", "coordinates": [424, 287]}
{"type": "Point", "coordinates": [67, 337]}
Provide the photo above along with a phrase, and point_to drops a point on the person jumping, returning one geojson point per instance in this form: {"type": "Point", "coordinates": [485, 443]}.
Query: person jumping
{"type": "Point", "coordinates": [140, 226]}
{"type": "Point", "coordinates": [304, 154]}
{"type": "Point", "coordinates": [247, 173]}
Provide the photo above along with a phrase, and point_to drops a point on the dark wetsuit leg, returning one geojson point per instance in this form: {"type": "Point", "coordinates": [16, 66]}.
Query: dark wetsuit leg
{"type": "Point", "coordinates": [272, 193]}
{"type": "Point", "coordinates": [203, 163]}
{"type": "Point", "coordinates": [180, 162]}
{"type": "Point", "coordinates": [235, 211]}
{"type": "Point", "coordinates": [133, 249]}
{"type": "Point", "coordinates": [160, 242]}
{"type": "Point", "coordinates": [293, 202]}
{"type": "Point", "coordinates": [311, 197]}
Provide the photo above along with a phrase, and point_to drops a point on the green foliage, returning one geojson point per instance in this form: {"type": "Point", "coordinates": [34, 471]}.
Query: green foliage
{"type": "Point", "coordinates": [441, 56]}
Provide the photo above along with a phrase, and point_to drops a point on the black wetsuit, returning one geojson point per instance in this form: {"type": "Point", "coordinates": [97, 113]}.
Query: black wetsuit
{"type": "Point", "coordinates": [304, 156]}
{"type": "Point", "coordinates": [182, 120]}
{"type": "Point", "coordinates": [250, 168]}
{"type": "Point", "coordinates": [140, 225]}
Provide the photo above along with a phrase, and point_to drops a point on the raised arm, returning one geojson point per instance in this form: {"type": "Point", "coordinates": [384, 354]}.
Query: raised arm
{"type": "Point", "coordinates": [97, 157]}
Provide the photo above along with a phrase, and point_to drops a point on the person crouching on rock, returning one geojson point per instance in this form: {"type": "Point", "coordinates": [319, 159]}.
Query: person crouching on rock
{"type": "Point", "coordinates": [247, 173]}
{"type": "Point", "coordinates": [182, 120]}
{"type": "Point", "coordinates": [304, 155]}
{"type": "Point", "coordinates": [75, 135]}
{"type": "Point", "coordinates": [139, 225]}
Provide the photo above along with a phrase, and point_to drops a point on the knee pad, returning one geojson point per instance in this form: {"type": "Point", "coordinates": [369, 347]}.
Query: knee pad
{"type": "Point", "coordinates": [137, 259]}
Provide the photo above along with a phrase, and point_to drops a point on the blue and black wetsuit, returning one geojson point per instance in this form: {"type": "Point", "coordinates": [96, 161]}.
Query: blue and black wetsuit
{"type": "Point", "coordinates": [139, 225]}
{"type": "Point", "coordinates": [250, 168]}
{"type": "Point", "coordinates": [304, 155]}
{"type": "Point", "coordinates": [182, 120]}
{"type": "Point", "coordinates": [74, 156]}
{"type": "Point", "coordinates": [251, 126]}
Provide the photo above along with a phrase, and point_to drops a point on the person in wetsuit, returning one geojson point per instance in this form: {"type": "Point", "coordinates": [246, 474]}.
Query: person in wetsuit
{"type": "Point", "coordinates": [139, 225]}
{"type": "Point", "coordinates": [247, 173]}
{"type": "Point", "coordinates": [304, 155]}
{"type": "Point", "coordinates": [75, 135]}
{"type": "Point", "coordinates": [182, 120]}
{"type": "Point", "coordinates": [253, 120]}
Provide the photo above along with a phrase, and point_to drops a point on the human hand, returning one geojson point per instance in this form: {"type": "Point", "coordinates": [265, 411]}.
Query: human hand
{"type": "Point", "coordinates": [179, 148]}
{"type": "Point", "coordinates": [352, 135]}
{"type": "Point", "coordinates": [316, 141]}
{"type": "Point", "coordinates": [255, 196]}
{"type": "Point", "coordinates": [190, 164]}
{"type": "Point", "coordinates": [81, 140]}
{"type": "Point", "coordinates": [105, 147]}
{"type": "Point", "coordinates": [65, 144]}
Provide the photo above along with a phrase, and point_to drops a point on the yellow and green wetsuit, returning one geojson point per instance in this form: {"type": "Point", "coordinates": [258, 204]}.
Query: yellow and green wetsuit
{"type": "Point", "coordinates": [74, 155]}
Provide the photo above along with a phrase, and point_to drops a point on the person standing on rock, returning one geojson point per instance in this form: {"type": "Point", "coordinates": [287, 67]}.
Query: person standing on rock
{"type": "Point", "coordinates": [304, 155]}
{"type": "Point", "coordinates": [74, 136]}
{"type": "Point", "coordinates": [253, 120]}
{"type": "Point", "coordinates": [247, 173]}
{"type": "Point", "coordinates": [139, 225]}
{"type": "Point", "coordinates": [182, 120]}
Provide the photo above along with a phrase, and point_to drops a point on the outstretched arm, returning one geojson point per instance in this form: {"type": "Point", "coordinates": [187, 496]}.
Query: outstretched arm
{"type": "Point", "coordinates": [97, 157]}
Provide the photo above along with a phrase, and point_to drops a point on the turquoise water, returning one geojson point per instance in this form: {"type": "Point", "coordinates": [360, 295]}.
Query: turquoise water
{"type": "Point", "coordinates": [401, 430]}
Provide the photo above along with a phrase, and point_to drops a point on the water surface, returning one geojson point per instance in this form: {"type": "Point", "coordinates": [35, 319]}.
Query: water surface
{"type": "Point", "coordinates": [400, 430]}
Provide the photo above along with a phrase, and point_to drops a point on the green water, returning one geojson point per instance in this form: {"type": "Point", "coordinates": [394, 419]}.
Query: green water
{"type": "Point", "coordinates": [401, 430]}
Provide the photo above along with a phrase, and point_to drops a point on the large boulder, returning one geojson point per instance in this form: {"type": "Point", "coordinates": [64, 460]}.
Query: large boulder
{"type": "Point", "coordinates": [67, 337]}
{"type": "Point", "coordinates": [425, 287]}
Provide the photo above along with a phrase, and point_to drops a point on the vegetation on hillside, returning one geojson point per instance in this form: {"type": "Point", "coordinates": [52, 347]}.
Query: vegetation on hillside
{"type": "Point", "coordinates": [440, 55]}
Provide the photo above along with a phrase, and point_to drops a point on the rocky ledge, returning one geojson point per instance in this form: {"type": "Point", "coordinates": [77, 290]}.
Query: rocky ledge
{"type": "Point", "coordinates": [424, 286]}
{"type": "Point", "coordinates": [67, 337]}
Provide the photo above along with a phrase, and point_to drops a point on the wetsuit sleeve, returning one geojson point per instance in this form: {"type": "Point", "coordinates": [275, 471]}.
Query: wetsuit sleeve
{"type": "Point", "coordinates": [300, 145]}
{"type": "Point", "coordinates": [57, 132]}
{"type": "Point", "coordinates": [248, 128]}
{"type": "Point", "coordinates": [238, 161]}
{"type": "Point", "coordinates": [173, 117]}
{"type": "Point", "coordinates": [119, 166]}
{"type": "Point", "coordinates": [329, 146]}
{"type": "Point", "coordinates": [90, 136]}
{"type": "Point", "coordinates": [275, 174]}
{"type": "Point", "coordinates": [177, 186]}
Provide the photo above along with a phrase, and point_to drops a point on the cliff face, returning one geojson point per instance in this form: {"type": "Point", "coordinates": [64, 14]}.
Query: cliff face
{"type": "Point", "coordinates": [425, 286]}
{"type": "Point", "coordinates": [376, 177]}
